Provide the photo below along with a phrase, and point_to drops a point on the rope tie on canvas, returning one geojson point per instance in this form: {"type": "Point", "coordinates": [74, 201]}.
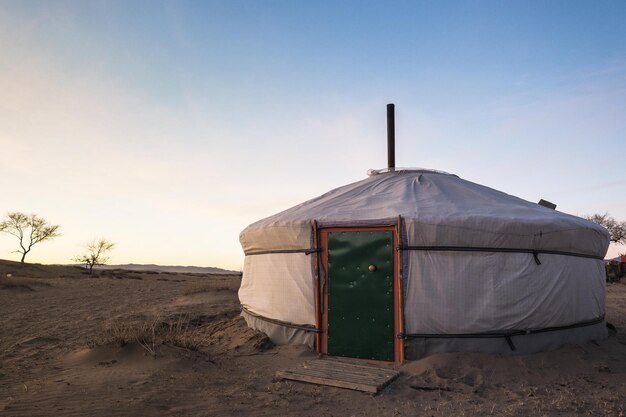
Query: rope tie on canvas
{"type": "Point", "coordinates": [536, 256]}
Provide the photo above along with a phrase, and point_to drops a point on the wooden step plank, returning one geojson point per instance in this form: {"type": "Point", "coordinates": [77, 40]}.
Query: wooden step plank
{"type": "Point", "coordinates": [356, 384]}
{"type": "Point", "coordinates": [349, 368]}
{"type": "Point", "coordinates": [345, 383]}
{"type": "Point", "coordinates": [343, 377]}
{"type": "Point", "coordinates": [329, 381]}
{"type": "Point", "coordinates": [343, 367]}
{"type": "Point", "coordinates": [325, 363]}
{"type": "Point", "coordinates": [361, 363]}
{"type": "Point", "coordinates": [342, 374]}
{"type": "Point", "coordinates": [347, 374]}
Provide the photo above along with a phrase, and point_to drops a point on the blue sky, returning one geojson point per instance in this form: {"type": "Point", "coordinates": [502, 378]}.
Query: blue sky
{"type": "Point", "coordinates": [167, 127]}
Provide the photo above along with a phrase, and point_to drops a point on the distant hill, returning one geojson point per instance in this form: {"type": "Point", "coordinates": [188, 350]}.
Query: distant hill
{"type": "Point", "coordinates": [170, 268]}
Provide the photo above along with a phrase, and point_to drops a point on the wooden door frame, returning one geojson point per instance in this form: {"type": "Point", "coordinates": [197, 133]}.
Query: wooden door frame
{"type": "Point", "coordinates": [322, 316]}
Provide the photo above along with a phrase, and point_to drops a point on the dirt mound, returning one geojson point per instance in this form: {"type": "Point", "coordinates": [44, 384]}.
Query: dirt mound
{"type": "Point", "coordinates": [132, 355]}
{"type": "Point", "coordinates": [221, 334]}
{"type": "Point", "coordinates": [232, 335]}
{"type": "Point", "coordinates": [556, 381]}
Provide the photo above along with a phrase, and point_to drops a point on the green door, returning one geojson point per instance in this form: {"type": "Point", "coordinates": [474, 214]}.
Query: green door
{"type": "Point", "coordinates": [360, 294]}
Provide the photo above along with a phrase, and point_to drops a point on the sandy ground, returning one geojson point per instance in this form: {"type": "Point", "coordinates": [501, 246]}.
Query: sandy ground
{"type": "Point", "coordinates": [68, 347]}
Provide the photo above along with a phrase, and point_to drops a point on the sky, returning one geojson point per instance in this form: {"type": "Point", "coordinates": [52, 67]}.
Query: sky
{"type": "Point", "coordinates": [168, 127]}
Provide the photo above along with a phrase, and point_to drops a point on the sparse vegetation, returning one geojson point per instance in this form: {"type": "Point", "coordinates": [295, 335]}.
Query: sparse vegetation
{"type": "Point", "coordinates": [10, 284]}
{"type": "Point", "coordinates": [213, 285]}
{"type": "Point", "coordinates": [96, 254]}
{"type": "Point", "coordinates": [29, 229]}
{"type": "Point", "coordinates": [23, 284]}
{"type": "Point", "coordinates": [177, 330]}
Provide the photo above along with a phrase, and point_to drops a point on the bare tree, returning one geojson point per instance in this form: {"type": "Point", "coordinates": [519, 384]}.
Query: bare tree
{"type": "Point", "coordinates": [617, 229]}
{"type": "Point", "coordinates": [95, 254]}
{"type": "Point", "coordinates": [29, 229]}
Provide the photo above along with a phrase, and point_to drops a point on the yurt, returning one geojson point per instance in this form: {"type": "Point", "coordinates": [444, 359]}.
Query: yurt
{"type": "Point", "coordinates": [410, 262]}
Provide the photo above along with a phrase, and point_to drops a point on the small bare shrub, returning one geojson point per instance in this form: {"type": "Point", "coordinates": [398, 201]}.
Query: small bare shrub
{"type": "Point", "coordinates": [95, 254]}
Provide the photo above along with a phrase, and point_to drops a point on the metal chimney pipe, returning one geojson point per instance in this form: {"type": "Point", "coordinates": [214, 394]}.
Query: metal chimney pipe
{"type": "Point", "coordinates": [391, 137]}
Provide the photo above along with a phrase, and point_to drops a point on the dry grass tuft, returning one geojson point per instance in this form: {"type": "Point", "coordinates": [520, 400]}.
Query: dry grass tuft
{"type": "Point", "coordinates": [13, 285]}
{"type": "Point", "coordinates": [177, 330]}
{"type": "Point", "coordinates": [212, 286]}
{"type": "Point", "coordinates": [21, 284]}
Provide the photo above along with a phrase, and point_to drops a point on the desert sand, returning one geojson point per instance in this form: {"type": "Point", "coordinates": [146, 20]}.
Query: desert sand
{"type": "Point", "coordinates": [128, 343]}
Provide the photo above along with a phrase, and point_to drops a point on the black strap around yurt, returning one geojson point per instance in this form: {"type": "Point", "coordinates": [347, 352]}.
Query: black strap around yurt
{"type": "Point", "coordinates": [307, 251]}
{"type": "Point", "coordinates": [507, 334]}
{"type": "Point", "coordinates": [534, 252]}
{"type": "Point", "coordinates": [304, 327]}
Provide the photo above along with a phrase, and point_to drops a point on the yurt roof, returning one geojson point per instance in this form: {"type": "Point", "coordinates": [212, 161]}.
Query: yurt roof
{"type": "Point", "coordinates": [439, 209]}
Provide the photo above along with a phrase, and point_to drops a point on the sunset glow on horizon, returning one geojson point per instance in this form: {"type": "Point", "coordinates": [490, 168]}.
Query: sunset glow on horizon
{"type": "Point", "coordinates": [168, 127]}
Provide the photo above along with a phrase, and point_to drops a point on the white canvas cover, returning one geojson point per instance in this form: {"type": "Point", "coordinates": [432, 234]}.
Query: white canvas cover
{"type": "Point", "coordinates": [481, 292]}
{"type": "Point", "coordinates": [440, 209]}
{"type": "Point", "coordinates": [444, 291]}
{"type": "Point", "coordinates": [278, 295]}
